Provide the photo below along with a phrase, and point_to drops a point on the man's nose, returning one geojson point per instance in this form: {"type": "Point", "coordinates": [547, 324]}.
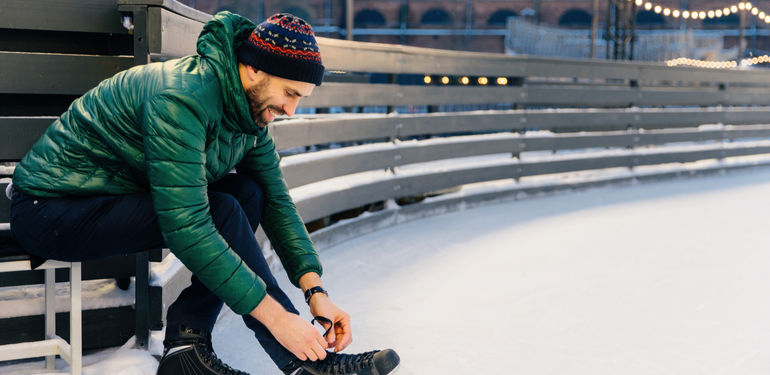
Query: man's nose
{"type": "Point", "coordinates": [290, 107]}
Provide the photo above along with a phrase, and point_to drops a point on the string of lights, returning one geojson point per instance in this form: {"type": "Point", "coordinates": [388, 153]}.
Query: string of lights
{"type": "Point", "coordinates": [683, 61]}
{"type": "Point", "coordinates": [703, 14]}
{"type": "Point", "coordinates": [464, 80]}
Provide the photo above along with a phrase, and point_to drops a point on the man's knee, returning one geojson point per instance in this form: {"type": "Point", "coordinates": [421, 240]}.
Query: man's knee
{"type": "Point", "coordinates": [243, 188]}
{"type": "Point", "coordinates": [224, 208]}
{"type": "Point", "coordinates": [249, 191]}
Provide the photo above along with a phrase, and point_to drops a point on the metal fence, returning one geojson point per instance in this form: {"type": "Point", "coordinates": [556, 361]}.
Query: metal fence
{"type": "Point", "coordinates": [525, 37]}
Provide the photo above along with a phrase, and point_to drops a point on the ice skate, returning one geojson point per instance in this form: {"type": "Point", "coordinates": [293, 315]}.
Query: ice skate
{"type": "Point", "coordinates": [192, 354]}
{"type": "Point", "coordinates": [376, 362]}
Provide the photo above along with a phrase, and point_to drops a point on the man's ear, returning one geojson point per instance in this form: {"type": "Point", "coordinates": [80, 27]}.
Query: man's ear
{"type": "Point", "coordinates": [251, 72]}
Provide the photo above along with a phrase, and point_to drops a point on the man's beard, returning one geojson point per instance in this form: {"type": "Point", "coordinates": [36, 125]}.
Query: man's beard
{"type": "Point", "coordinates": [258, 103]}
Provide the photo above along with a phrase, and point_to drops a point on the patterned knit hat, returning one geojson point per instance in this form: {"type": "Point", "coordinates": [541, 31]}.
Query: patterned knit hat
{"type": "Point", "coordinates": [284, 46]}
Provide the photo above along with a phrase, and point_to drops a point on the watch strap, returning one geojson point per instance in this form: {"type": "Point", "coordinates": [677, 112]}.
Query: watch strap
{"type": "Point", "coordinates": [316, 289]}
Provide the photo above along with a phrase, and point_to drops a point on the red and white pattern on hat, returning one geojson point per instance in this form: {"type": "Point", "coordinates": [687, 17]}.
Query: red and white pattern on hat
{"type": "Point", "coordinates": [287, 35]}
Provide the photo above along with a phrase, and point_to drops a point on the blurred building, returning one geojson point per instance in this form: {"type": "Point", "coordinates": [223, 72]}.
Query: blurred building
{"type": "Point", "coordinates": [476, 25]}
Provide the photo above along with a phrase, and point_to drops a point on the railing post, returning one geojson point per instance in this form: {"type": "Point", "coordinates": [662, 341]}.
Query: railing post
{"type": "Point", "coordinates": [76, 318]}
{"type": "Point", "coordinates": [141, 44]}
{"type": "Point", "coordinates": [142, 304]}
{"type": "Point", "coordinates": [139, 20]}
{"type": "Point", "coordinates": [50, 313]}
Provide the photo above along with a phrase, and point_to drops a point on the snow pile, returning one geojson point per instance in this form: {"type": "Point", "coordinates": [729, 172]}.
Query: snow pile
{"type": "Point", "coordinates": [29, 300]}
{"type": "Point", "coordinates": [121, 361]}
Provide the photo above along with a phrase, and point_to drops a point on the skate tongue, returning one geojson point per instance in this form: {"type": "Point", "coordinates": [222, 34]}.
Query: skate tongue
{"type": "Point", "coordinates": [293, 368]}
{"type": "Point", "coordinates": [175, 349]}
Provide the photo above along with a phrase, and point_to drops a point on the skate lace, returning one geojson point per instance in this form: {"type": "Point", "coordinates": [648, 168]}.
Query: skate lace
{"type": "Point", "coordinates": [335, 363]}
{"type": "Point", "coordinates": [211, 359]}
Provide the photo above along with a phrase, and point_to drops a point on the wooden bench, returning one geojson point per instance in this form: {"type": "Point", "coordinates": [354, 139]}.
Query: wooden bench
{"type": "Point", "coordinates": [53, 55]}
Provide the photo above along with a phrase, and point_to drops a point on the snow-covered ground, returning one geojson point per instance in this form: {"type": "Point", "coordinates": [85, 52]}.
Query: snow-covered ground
{"type": "Point", "coordinates": [664, 278]}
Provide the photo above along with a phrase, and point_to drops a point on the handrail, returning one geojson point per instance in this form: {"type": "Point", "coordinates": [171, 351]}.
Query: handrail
{"type": "Point", "coordinates": [348, 128]}
{"type": "Point", "coordinates": [305, 169]}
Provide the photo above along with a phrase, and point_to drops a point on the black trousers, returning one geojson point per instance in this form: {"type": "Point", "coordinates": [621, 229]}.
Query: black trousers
{"type": "Point", "coordinates": [85, 228]}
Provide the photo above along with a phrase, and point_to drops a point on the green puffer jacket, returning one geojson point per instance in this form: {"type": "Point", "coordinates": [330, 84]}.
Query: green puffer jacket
{"type": "Point", "coordinates": [171, 128]}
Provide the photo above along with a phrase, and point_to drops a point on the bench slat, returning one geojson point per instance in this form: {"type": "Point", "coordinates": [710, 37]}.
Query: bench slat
{"type": "Point", "coordinates": [14, 265]}
{"type": "Point", "coordinates": [61, 74]}
{"type": "Point", "coordinates": [100, 16]}
{"type": "Point", "coordinates": [24, 131]}
{"type": "Point", "coordinates": [55, 346]}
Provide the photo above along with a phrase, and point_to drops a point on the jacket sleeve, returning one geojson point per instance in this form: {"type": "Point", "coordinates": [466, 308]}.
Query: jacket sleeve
{"type": "Point", "coordinates": [280, 218]}
{"type": "Point", "coordinates": [174, 138]}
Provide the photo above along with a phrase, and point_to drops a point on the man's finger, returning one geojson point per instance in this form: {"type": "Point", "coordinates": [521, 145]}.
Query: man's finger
{"type": "Point", "coordinates": [322, 344]}
{"type": "Point", "coordinates": [343, 343]}
{"type": "Point", "coordinates": [319, 350]}
{"type": "Point", "coordinates": [331, 338]}
{"type": "Point", "coordinates": [343, 333]}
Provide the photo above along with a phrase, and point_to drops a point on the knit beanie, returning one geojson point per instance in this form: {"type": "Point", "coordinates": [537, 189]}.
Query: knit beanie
{"type": "Point", "coordinates": [284, 46]}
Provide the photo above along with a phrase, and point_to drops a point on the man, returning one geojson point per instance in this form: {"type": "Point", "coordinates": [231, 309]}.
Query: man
{"type": "Point", "coordinates": [144, 159]}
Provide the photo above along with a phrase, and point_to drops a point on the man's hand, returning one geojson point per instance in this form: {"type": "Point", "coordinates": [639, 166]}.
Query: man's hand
{"type": "Point", "coordinates": [320, 305]}
{"type": "Point", "coordinates": [341, 336]}
{"type": "Point", "coordinates": [297, 335]}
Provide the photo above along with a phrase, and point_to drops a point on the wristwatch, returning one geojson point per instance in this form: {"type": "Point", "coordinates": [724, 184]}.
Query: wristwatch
{"type": "Point", "coordinates": [316, 289]}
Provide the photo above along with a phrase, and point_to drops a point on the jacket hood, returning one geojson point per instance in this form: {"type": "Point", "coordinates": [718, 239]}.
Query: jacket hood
{"type": "Point", "coordinates": [217, 43]}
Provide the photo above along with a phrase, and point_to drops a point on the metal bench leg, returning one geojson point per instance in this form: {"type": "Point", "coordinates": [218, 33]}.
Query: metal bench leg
{"type": "Point", "coordinates": [76, 322]}
{"type": "Point", "coordinates": [50, 313]}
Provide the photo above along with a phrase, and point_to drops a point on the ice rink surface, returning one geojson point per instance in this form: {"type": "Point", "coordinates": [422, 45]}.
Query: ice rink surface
{"type": "Point", "coordinates": [669, 277]}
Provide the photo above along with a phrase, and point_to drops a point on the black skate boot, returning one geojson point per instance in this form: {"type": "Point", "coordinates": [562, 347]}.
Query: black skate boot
{"type": "Point", "coordinates": [369, 363]}
{"type": "Point", "coordinates": [191, 353]}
